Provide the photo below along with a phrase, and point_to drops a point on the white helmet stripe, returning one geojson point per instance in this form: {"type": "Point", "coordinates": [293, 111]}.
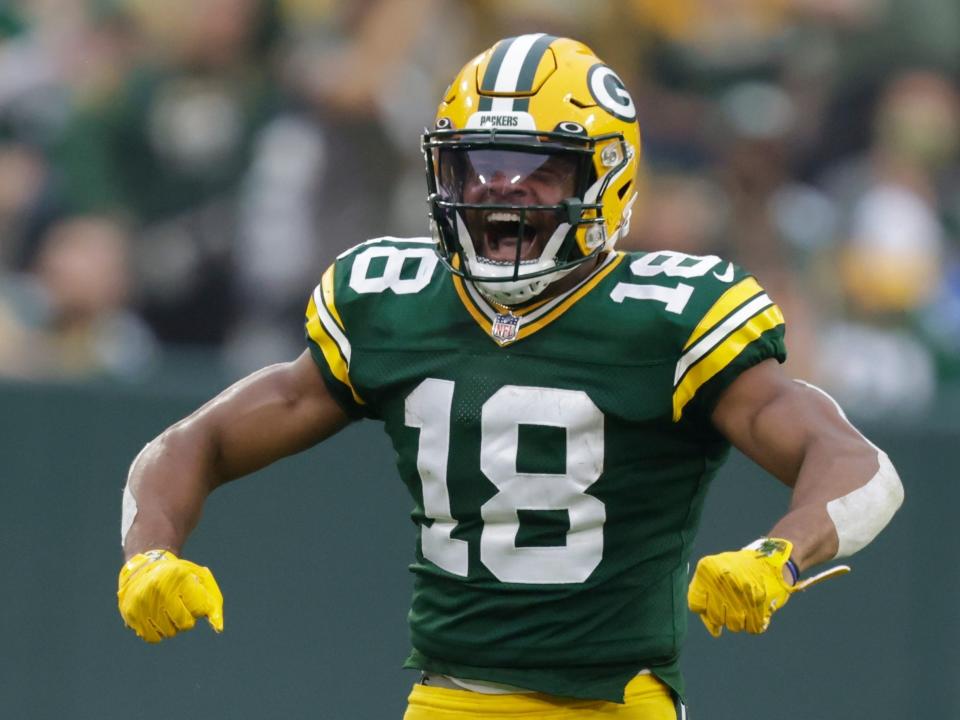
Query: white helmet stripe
{"type": "Point", "coordinates": [513, 61]}
{"type": "Point", "coordinates": [508, 73]}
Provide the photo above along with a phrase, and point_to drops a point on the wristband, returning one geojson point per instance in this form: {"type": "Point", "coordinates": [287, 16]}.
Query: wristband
{"type": "Point", "coordinates": [794, 571]}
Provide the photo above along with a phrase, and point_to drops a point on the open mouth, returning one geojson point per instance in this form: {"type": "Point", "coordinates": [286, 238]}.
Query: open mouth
{"type": "Point", "coordinates": [502, 233]}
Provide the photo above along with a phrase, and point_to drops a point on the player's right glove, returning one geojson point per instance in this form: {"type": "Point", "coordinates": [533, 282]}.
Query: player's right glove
{"type": "Point", "coordinates": [159, 595]}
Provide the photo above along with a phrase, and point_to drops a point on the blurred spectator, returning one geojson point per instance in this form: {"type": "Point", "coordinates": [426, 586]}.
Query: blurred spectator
{"type": "Point", "coordinates": [370, 73]}
{"type": "Point", "coordinates": [245, 143]}
{"type": "Point", "coordinates": [67, 318]}
{"type": "Point", "coordinates": [896, 260]}
{"type": "Point", "coordinates": [889, 268]}
{"type": "Point", "coordinates": [167, 146]}
{"type": "Point", "coordinates": [23, 172]}
{"type": "Point", "coordinates": [329, 169]}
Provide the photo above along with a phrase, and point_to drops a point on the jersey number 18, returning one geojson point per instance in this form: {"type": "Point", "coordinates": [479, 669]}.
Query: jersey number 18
{"type": "Point", "coordinates": [428, 408]}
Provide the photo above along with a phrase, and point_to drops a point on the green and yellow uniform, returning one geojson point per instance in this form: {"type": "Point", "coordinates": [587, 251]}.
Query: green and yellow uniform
{"type": "Point", "coordinates": [558, 456]}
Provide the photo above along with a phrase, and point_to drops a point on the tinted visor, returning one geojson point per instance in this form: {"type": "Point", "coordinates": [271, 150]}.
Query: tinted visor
{"type": "Point", "coordinates": [508, 177]}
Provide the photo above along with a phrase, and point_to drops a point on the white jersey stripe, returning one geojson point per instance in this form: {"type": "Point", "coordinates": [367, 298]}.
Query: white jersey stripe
{"type": "Point", "coordinates": [713, 338]}
{"type": "Point", "coordinates": [330, 325]}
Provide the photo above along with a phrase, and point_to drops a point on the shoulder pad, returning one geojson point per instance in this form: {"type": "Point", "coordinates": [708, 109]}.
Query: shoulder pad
{"type": "Point", "coordinates": [717, 315]}
{"type": "Point", "coordinates": [352, 292]}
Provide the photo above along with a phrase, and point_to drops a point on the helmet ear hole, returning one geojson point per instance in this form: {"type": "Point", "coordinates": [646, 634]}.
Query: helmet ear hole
{"type": "Point", "coordinates": [573, 128]}
{"type": "Point", "coordinates": [621, 193]}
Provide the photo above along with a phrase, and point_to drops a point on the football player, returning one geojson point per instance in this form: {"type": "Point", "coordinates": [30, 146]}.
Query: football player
{"type": "Point", "coordinates": [558, 409]}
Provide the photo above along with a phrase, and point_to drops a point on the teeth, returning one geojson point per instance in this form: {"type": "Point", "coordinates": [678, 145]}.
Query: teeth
{"type": "Point", "coordinates": [503, 217]}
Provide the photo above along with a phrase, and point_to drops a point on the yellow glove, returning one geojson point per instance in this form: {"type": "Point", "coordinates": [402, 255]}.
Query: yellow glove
{"type": "Point", "coordinates": [742, 589]}
{"type": "Point", "coordinates": [159, 595]}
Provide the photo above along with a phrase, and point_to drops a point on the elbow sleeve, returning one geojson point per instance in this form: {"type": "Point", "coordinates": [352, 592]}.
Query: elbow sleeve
{"type": "Point", "coordinates": [860, 515]}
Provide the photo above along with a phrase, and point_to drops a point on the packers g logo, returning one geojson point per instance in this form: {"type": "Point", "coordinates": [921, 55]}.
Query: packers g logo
{"type": "Point", "coordinates": [610, 92]}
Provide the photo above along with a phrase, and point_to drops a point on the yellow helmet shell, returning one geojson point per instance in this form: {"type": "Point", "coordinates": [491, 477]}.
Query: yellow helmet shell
{"type": "Point", "coordinates": [551, 84]}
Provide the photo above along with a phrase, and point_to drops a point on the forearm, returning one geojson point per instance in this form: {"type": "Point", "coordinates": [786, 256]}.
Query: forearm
{"type": "Point", "coordinates": [828, 471]}
{"type": "Point", "coordinates": [270, 414]}
{"type": "Point", "coordinates": [844, 488]}
{"type": "Point", "coordinates": [845, 493]}
{"type": "Point", "coordinates": [172, 476]}
{"type": "Point", "coordinates": [160, 594]}
{"type": "Point", "coordinates": [166, 488]}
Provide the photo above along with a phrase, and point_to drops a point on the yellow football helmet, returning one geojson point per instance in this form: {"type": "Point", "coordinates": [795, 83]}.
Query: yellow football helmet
{"type": "Point", "coordinates": [535, 148]}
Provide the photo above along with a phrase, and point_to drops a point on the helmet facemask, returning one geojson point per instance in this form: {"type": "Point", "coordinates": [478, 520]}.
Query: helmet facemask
{"type": "Point", "coordinates": [507, 208]}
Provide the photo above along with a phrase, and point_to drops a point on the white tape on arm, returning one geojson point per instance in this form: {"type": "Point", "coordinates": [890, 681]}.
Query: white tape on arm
{"type": "Point", "coordinates": [861, 514]}
{"type": "Point", "coordinates": [129, 512]}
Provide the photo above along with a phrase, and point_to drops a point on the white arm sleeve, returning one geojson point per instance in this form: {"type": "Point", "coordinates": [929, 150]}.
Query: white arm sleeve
{"type": "Point", "coordinates": [129, 512]}
{"type": "Point", "coordinates": [861, 514]}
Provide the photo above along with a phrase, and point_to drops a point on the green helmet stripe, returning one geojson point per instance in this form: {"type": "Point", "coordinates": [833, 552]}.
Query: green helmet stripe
{"type": "Point", "coordinates": [493, 69]}
{"type": "Point", "coordinates": [512, 68]}
{"type": "Point", "coordinates": [528, 71]}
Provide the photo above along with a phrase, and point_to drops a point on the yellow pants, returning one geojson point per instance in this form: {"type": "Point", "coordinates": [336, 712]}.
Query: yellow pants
{"type": "Point", "coordinates": [646, 698]}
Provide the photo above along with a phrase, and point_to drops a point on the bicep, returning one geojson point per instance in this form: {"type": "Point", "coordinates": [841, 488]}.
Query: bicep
{"type": "Point", "coordinates": [277, 411]}
{"type": "Point", "coordinates": [780, 423]}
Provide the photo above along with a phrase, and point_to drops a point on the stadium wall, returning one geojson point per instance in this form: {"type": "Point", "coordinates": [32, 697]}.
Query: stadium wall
{"type": "Point", "coordinates": [311, 555]}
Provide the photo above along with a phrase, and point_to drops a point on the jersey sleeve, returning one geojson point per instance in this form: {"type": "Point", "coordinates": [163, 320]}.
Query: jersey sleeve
{"type": "Point", "coordinates": [328, 342]}
{"type": "Point", "coordinates": [739, 327]}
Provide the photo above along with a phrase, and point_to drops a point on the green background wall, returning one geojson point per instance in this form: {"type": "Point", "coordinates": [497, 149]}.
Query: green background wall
{"type": "Point", "coordinates": [311, 556]}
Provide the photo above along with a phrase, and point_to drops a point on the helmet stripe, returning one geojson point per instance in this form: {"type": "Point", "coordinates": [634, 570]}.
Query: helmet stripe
{"type": "Point", "coordinates": [528, 70]}
{"type": "Point", "coordinates": [493, 67]}
{"type": "Point", "coordinates": [504, 72]}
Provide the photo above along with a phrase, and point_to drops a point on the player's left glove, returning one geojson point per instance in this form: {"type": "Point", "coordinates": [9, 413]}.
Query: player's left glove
{"type": "Point", "coordinates": [742, 589]}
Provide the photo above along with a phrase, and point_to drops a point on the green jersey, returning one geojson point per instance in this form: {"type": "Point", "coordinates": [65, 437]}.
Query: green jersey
{"type": "Point", "coordinates": [558, 455]}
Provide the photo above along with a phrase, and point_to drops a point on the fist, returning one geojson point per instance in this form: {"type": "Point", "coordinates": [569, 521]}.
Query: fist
{"type": "Point", "coordinates": [741, 590]}
{"type": "Point", "coordinates": [160, 595]}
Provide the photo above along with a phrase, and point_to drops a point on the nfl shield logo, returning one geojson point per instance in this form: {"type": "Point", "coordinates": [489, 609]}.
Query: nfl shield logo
{"type": "Point", "coordinates": [505, 328]}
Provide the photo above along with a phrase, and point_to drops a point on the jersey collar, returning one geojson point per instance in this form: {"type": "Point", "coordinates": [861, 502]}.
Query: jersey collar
{"type": "Point", "coordinates": [506, 325]}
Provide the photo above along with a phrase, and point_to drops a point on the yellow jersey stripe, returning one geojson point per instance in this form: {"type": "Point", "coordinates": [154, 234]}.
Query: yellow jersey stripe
{"type": "Point", "coordinates": [546, 311]}
{"type": "Point", "coordinates": [530, 308]}
{"type": "Point", "coordinates": [722, 355]}
{"type": "Point", "coordinates": [716, 336]}
{"type": "Point", "coordinates": [336, 355]}
{"type": "Point", "coordinates": [314, 328]}
{"type": "Point", "coordinates": [326, 285]}
{"type": "Point", "coordinates": [493, 308]}
{"type": "Point", "coordinates": [728, 302]}
{"type": "Point", "coordinates": [482, 320]}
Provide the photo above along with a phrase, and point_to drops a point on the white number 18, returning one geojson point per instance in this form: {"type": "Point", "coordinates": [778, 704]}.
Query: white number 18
{"type": "Point", "coordinates": [428, 408]}
{"type": "Point", "coordinates": [671, 264]}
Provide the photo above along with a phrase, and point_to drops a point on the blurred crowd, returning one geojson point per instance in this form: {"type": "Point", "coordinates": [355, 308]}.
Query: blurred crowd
{"type": "Point", "coordinates": [175, 175]}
